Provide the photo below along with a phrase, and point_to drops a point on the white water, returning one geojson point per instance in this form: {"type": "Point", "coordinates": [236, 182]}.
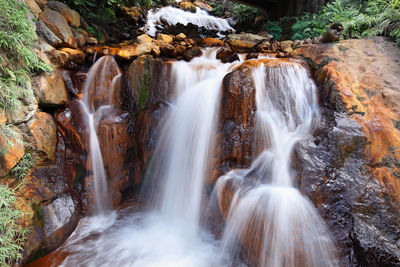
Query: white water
{"type": "Point", "coordinates": [98, 82]}
{"type": "Point", "coordinates": [170, 234]}
{"type": "Point", "coordinates": [173, 16]}
{"type": "Point", "coordinates": [269, 214]}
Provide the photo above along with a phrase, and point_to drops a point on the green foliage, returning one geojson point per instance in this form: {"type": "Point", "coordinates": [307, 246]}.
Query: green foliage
{"type": "Point", "coordinates": [23, 166]}
{"type": "Point", "coordinates": [11, 234]}
{"type": "Point", "coordinates": [18, 59]}
{"type": "Point", "coordinates": [245, 15]}
{"type": "Point", "coordinates": [359, 19]}
{"type": "Point", "coordinates": [274, 29]}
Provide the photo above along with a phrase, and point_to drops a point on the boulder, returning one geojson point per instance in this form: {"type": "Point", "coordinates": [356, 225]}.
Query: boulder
{"type": "Point", "coordinates": [210, 42]}
{"type": "Point", "coordinates": [192, 53]}
{"type": "Point", "coordinates": [59, 26]}
{"type": "Point", "coordinates": [34, 8]}
{"type": "Point", "coordinates": [73, 18]}
{"type": "Point", "coordinates": [244, 42]}
{"type": "Point", "coordinates": [43, 137]}
{"type": "Point", "coordinates": [12, 149]}
{"type": "Point", "coordinates": [79, 37]}
{"type": "Point", "coordinates": [41, 3]}
{"type": "Point", "coordinates": [180, 37]}
{"type": "Point", "coordinates": [74, 55]}
{"type": "Point", "coordinates": [287, 46]}
{"type": "Point", "coordinates": [49, 89]}
{"type": "Point", "coordinates": [44, 32]}
{"type": "Point", "coordinates": [188, 6]}
{"type": "Point", "coordinates": [166, 49]}
{"type": "Point", "coordinates": [226, 55]}
{"type": "Point", "coordinates": [165, 38]}
{"type": "Point", "coordinates": [203, 6]}
{"type": "Point", "coordinates": [144, 38]}
{"type": "Point", "coordinates": [333, 34]}
{"type": "Point", "coordinates": [91, 41]}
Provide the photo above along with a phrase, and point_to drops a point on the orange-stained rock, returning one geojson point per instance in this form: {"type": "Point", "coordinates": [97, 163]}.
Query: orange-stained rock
{"type": "Point", "coordinates": [180, 37]}
{"type": "Point", "coordinates": [58, 25]}
{"type": "Point", "coordinates": [210, 42]}
{"type": "Point", "coordinates": [41, 3]}
{"type": "Point", "coordinates": [73, 123]}
{"type": "Point", "coordinates": [165, 38]}
{"type": "Point", "coordinates": [226, 55]}
{"type": "Point", "coordinates": [144, 38]}
{"type": "Point", "coordinates": [74, 55]}
{"type": "Point", "coordinates": [73, 18]}
{"type": "Point", "coordinates": [43, 131]}
{"type": "Point", "coordinates": [115, 143]}
{"type": "Point", "coordinates": [203, 6]}
{"type": "Point", "coordinates": [363, 80]}
{"type": "Point", "coordinates": [187, 5]}
{"type": "Point", "coordinates": [49, 88]}
{"type": "Point", "coordinates": [244, 42]}
{"type": "Point", "coordinates": [237, 119]}
{"type": "Point", "coordinates": [123, 51]}
{"type": "Point", "coordinates": [12, 149]}
{"type": "Point", "coordinates": [33, 6]}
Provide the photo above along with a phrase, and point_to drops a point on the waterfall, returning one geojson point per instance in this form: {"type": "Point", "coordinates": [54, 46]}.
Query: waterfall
{"type": "Point", "coordinates": [267, 214]}
{"type": "Point", "coordinates": [103, 82]}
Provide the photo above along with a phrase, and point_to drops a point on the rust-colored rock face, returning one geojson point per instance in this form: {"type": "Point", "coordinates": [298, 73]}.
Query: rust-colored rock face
{"type": "Point", "coordinates": [58, 25]}
{"type": "Point", "coordinates": [12, 150]}
{"type": "Point", "coordinates": [115, 145]}
{"type": "Point", "coordinates": [210, 42]}
{"type": "Point", "coordinates": [43, 130]}
{"type": "Point", "coordinates": [49, 88]}
{"type": "Point", "coordinates": [355, 184]}
{"type": "Point", "coordinates": [237, 118]}
{"type": "Point", "coordinates": [71, 16]}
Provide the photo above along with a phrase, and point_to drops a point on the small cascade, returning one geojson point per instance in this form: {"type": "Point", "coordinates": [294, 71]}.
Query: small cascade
{"type": "Point", "coordinates": [172, 16]}
{"type": "Point", "coordinates": [276, 224]}
{"type": "Point", "coordinates": [101, 87]}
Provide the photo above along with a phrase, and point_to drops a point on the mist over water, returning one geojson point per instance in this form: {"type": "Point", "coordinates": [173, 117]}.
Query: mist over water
{"type": "Point", "coordinates": [169, 233]}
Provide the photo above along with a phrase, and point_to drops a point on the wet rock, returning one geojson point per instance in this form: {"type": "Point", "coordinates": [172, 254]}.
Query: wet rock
{"type": "Point", "coordinates": [79, 37]}
{"type": "Point", "coordinates": [91, 40]}
{"type": "Point", "coordinates": [333, 34]}
{"type": "Point", "coordinates": [131, 14]}
{"type": "Point", "coordinates": [49, 89]}
{"type": "Point", "coordinates": [166, 49]}
{"type": "Point", "coordinates": [73, 18]}
{"type": "Point", "coordinates": [74, 55]}
{"type": "Point", "coordinates": [72, 82]}
{"type": "Point", "coordinates": [44, 32]}
{"type": "Point", "coordinates": [242, 43]}
{"type": "Point", "coordinates": [73, 123]}
{"type": "Point", "coordinates": [251, 56]}
{"type": "Point", "coordinates": [122, 51]}
{"type": "Point", "coordinates": [165, 38]}
{"type": "Point", "coordinates": [226, 55]}
{"type": "Point", "coordinates": [203, 6]}
{"type": "Point", "coordinates": [43, 137]}
{"type": "Point", "coordinates": [287, 46]}
{"type": "Point", "coordinates": [192, 53]}
{"type": "Point", "coordinates": [180, 37]}
{"type": "Point", "coordinates": [263, 47]}
{"type": "Point", "coordinates": [59, 26]}
{"type": "Point", "coordinates": [210, 42]}
{"type": "Point", "coordinates": [187, 5]}
{"type": "Point", "coordinates": [12, 149]}
{"type": "Point", "coordinates": [144, 38]}
{"type": "Point", "coordinates": [349, 169]}
{"type": "Point", "coordinates": [237, 118]}
{"type": "Point", "coordinates": [146, 134]}
{"type": "Point", "coordinates": [274, 46]}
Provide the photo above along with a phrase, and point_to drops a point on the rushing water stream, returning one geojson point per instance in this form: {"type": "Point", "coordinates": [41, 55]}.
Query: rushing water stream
{"type": "Point", "coordinates": [266, 212]}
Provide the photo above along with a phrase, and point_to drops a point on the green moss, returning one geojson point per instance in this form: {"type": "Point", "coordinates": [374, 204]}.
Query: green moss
{"type": "Point", "coordinates": [144, 91]}
{"type": "Point", "coordinates": [39, 216]}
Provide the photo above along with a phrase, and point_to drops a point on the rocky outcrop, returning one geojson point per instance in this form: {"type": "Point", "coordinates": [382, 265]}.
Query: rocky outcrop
{"type": "Point", "coordinates": [12, 150]}
{"type": "Point", "coordinates": [356, 148]}
{"type": "Point", "coordinates": [242, 43]}
{"type": "Point", "coordinates": [49, 89]}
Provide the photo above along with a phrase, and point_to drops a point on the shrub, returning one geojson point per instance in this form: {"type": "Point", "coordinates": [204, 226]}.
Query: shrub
{"type": "Point", "coordinates": [11, 234]}
{"type": "Point", "coordinates": [18, 59]}
{"type": "Point", "coordinates": [23, 166]}
{"type": "Point", "coordinates": [274, 29]}
{"type": "Point", "coordinates": [359, 19]}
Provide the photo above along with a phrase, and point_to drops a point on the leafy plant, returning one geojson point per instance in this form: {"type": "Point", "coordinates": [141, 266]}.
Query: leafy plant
{"type": "Point", "coordinates": [11, 234]}
{"type": "Point", "coordinates": [359, 19]}
{"type": "Point", "coordinates": [18, 59]}
{"type": "Point", "coordinates": [23, 166]}
{"type": "Point", "coordinates": [245, 15]}
{"type": "Point", "coordinates": [274, 29]}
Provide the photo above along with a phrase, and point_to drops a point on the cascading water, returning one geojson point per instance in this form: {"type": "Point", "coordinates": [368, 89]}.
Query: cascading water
{"type": "Point", "coordinates": [267, 214]}
{"type": "Point", "coordinates": [102, 81]}
{"type": "Point", "coordinates": [173, 16]}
